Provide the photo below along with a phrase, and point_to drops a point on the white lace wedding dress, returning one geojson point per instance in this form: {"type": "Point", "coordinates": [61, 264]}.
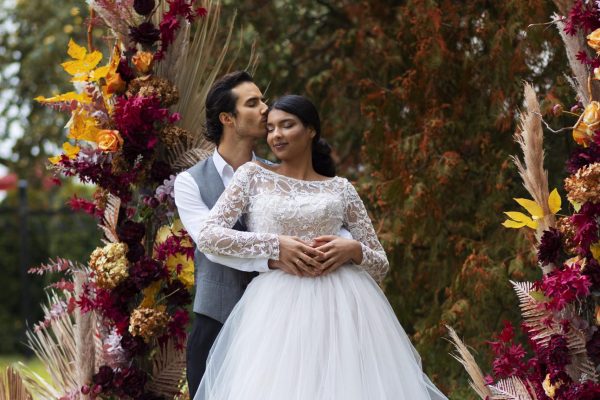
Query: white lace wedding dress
{"type": "Point", "coordinates": [333, 337]}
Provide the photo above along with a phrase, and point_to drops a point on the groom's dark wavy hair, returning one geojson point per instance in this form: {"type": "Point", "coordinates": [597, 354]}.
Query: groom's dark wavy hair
{"type": "Point", "coordinates": [306, 112]}
{"type": "Point", "coordinates": [220, 99]}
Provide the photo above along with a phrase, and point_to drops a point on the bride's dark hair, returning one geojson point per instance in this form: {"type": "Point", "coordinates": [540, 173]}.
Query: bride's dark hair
{"type": "Point", "coordinates": [306, 112]}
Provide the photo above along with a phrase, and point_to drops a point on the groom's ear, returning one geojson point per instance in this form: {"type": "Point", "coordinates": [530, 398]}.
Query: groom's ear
{"type": "Point", "coordinates": [226, 119]}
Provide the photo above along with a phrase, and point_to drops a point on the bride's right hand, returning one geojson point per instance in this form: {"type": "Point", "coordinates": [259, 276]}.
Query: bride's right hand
{"type": "Point", "coordinates": [297, 257]}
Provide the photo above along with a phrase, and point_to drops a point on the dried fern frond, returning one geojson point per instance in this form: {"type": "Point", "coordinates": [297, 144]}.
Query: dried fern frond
{"type": "Point", "coordinates": [168, 371]}
{"type": "Point", "coordinates": [511, 388]}
{"type": "Point", "coordinates": [530, 137]}
{"type": "Point", "coordinates": [12, 386]}
{"type": "Point", "coordinates": [55, 347]}
{"type": "Point", "coordinates": [536, 317]}
{"type": "Point", "coordinates": [110, 219]}
{"type": "Point", "coordinates": [465, 357]}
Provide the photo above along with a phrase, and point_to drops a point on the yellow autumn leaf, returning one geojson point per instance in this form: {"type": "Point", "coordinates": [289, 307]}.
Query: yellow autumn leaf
{"type": "Point", "coordinates": [84, 65]}
{"type": "Point", "coordinates": [517, 216]}
{"type": "Point", "coordinates": [99, 73]}
{"type": "Point", "coordinates": [82, 127]}
{"type": "Point", "coordinates": [518, 220]}
{"type": "Point", "coordinates": [70, 150]}
{"type": "Point", "coordinates": [76, 51]}
{"type": "Point", "coordinates": [554, 202]}
{"type": "Point", "coordinates": [55, 159]}
{"type": "Point", "coordinates": [65, 97]}
{"type": "Point", "coordinates": [513, 224]}
{"type": "Point", "coordinates": [532, 208]}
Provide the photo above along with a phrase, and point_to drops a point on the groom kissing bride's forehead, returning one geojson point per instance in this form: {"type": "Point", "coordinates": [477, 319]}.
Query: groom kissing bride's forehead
{"type": "Point", "coordinates": [235, 111]}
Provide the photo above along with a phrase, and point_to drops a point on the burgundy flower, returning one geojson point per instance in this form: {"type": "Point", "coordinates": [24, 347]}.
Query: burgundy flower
{"type": "Point", "coordinates": [564, 286]}
{"type": "Point", "coordinates": [558, 352]}
{"type": "Point", "coordinates": [550, 246]}
{"type": "Point", "coordinates": [176, 294]}
{"type": "Point", "coordinates": [125, 70]}
{"type": "Point", "coordinates": [133, 345]}
{"type": "Point", "coordinates": [582, 156]}
{"type": "Point", "coordinates": [135, 252]}
{"type": "Point", "coordinates": [586, 226]}
{"type": "Point", "coordinates": [177, 327]}
{"type": "Point", "coordinates": [160, 171]}
{"type": "Point", "coordinates": [145, 34]}
{"type": "Point", "coordinates": [104, 376]}
{"type": "Point", "coordinates": [143, 7]}
{"type": "Point", "coordinates": [131, 232]}
{"type": "Point", "coordinates": [134, 381]}
{"type": "Point", "coordinates": [146, 271]}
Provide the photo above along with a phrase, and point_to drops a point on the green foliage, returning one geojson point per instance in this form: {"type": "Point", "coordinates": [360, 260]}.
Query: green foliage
{"type": "Point", "coordinates": [53, 230]}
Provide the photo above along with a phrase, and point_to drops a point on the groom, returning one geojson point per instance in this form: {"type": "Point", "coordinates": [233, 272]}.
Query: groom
{"type": "Point", "coordinates": [236, 118]}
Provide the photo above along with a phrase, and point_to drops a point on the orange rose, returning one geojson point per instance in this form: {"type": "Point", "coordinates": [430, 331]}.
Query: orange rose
{"type": "Point", "coordinates": [593, 40]}
{"type": "Point", "coordinates": [591, 115]}
{"type": "Point", "coordinates": [143, 61]}
{"type": "Point", "coordinates": [580, 134]}
{"type": "Point", "coordinates": [114, 84]}
{"type": "Point", "coordinates": [109, 140]}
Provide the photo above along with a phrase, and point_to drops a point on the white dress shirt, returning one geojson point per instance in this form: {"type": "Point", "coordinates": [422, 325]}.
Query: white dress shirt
{"type": "Point", "coordinates": [193, 212]}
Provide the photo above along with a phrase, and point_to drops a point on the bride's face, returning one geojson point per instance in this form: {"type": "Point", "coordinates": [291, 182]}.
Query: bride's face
{"type": "Point", "coordinates": [287, 136]}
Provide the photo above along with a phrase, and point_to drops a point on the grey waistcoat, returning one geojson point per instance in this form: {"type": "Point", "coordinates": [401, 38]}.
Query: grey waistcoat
{"type": "Point", "coordinates": [218, 288]}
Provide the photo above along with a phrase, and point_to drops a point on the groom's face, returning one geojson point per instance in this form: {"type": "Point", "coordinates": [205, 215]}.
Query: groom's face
{"type": "Point", "coordinates": [251, 111]}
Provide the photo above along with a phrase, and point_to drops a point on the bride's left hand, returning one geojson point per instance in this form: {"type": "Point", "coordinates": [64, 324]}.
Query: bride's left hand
{"type": "Point", "coordinates": [338, 251]}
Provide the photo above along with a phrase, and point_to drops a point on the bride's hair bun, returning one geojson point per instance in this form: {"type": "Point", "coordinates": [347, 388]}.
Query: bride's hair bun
{"type": "Point", "coordinates": [306, 111]}
{"type": "Point", "coordinates": [321, 157]}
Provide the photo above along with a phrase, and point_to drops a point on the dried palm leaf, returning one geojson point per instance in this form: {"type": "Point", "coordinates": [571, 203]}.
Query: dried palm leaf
{"type": "Point", "coordinates": [192, 65]}
{"type": "Point", "coordinates": [168, 371]}
{"type": "Point", "coordinates": [511, 388]}
{"type": "Point", "coordinates": [110, 219]}
{"type": "Point", "coordinates": [465, 357]}
{"type": "Point", "coordinates": [12, 386]}
{"type": "Point", "coordinates": [530, 137]}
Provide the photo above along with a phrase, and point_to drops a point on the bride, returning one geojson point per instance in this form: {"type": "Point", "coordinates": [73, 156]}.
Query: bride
{"type": "Point", "coordinates": [326, 335]}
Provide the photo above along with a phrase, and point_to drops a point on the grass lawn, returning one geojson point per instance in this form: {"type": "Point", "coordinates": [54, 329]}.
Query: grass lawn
{"type": "Point", "coordinates": [33, 363]}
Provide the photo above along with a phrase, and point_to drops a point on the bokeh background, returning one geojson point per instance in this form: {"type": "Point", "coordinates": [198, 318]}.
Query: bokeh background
{"type": "Point", "coordinates": [419, 100]}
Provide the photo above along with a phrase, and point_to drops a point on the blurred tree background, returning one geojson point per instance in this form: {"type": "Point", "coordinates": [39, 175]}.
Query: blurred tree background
{"type": "Point", "coordinates": [418, 98]}
{"type": "Point", "coordinates": [33, 42]}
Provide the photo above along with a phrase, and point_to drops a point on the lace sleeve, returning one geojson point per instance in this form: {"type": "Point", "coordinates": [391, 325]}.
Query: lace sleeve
{"type": "Point", "coordinates": [359, 224]}
{"type": "Point", "coordinates": [216, 235]}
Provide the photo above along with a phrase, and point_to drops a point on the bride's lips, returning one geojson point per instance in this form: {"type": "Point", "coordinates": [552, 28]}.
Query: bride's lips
{"type": "Point", "coordinates": [279, 146]}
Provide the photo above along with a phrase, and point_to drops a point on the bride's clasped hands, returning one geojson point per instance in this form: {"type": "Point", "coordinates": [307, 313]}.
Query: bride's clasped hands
{"type": "Point", "coordinates": [324, 254]}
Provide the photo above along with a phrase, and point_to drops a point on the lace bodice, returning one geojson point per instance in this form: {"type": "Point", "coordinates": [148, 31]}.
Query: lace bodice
{"type": "Point", "coordinates": [274, 204]}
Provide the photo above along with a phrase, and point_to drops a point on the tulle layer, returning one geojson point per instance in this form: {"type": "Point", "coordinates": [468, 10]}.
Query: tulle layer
{"type": "Point", "coordinates": [328, 338]}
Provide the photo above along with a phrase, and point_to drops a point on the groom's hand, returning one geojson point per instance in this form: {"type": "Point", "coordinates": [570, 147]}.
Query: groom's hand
{"type": "Point", "coordinates": [297, 257]}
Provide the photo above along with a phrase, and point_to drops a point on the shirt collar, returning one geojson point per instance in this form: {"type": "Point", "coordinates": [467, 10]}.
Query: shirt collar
{"type": "Point", "coordinates": [221, 164]}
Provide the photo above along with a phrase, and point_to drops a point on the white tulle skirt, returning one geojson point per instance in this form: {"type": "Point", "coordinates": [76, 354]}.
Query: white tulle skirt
{"type": "Point", "coordinates": [333, 337]}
